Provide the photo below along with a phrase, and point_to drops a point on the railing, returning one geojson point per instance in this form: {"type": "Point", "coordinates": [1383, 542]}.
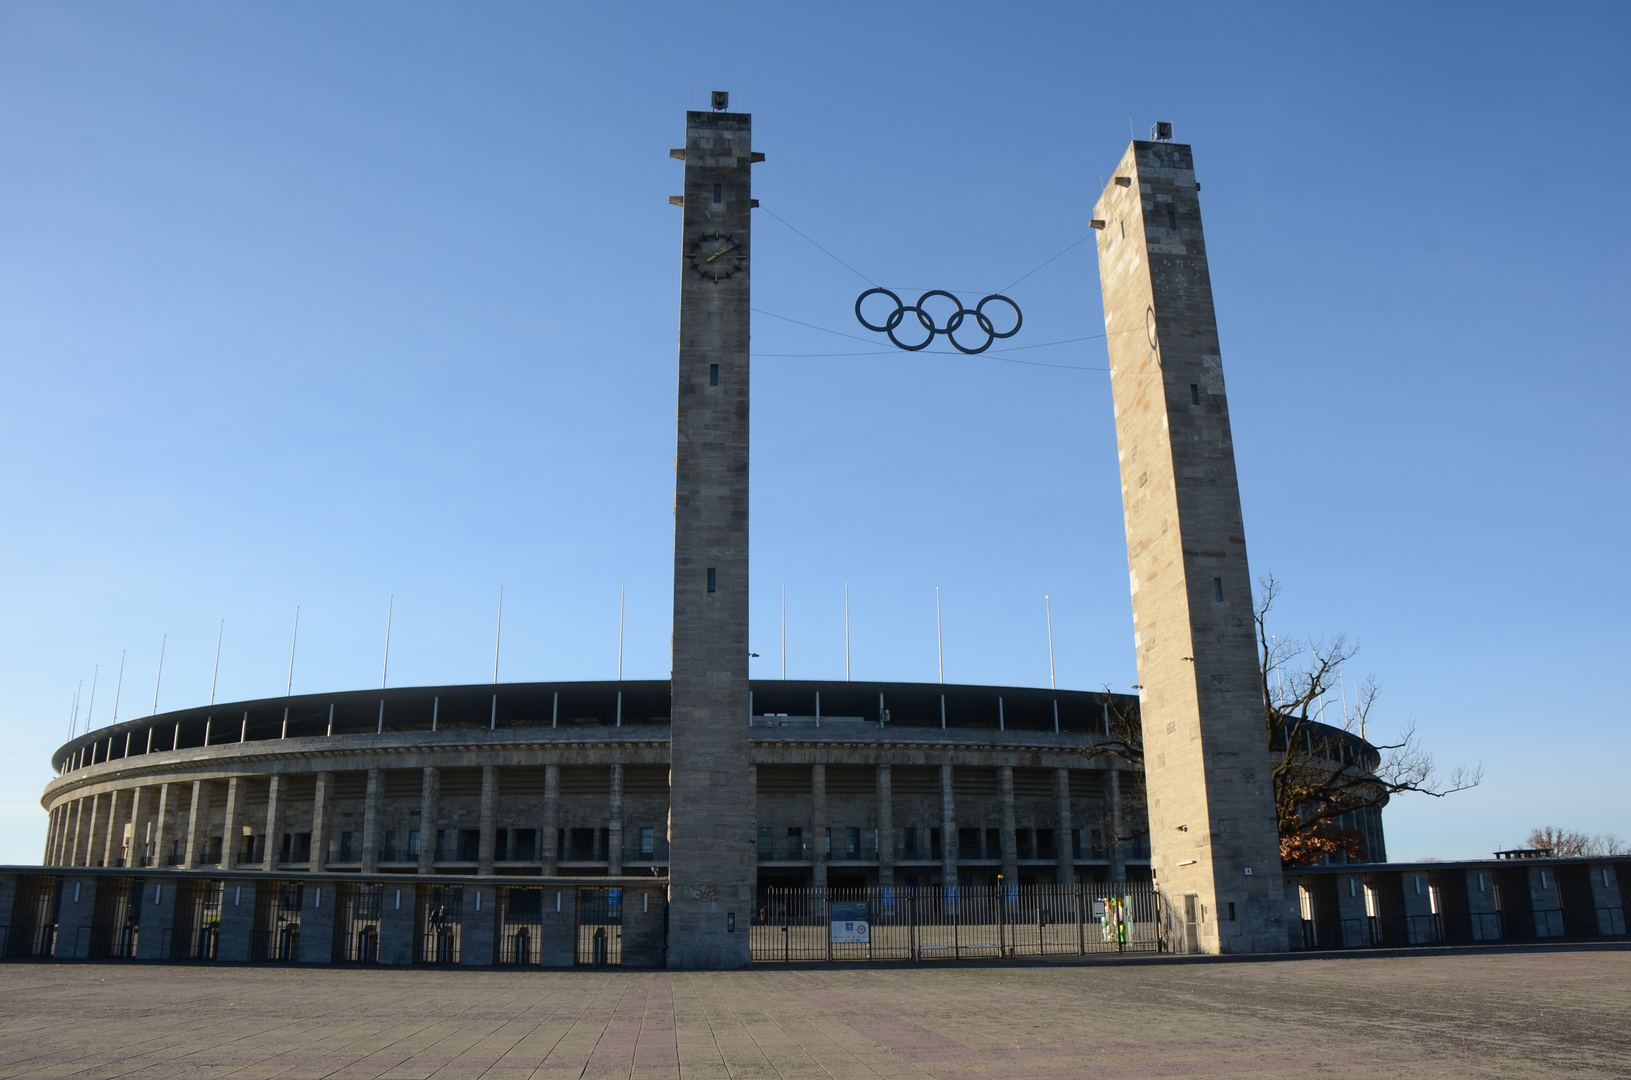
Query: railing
{"type": "Point", "coordinates": [955, 922]}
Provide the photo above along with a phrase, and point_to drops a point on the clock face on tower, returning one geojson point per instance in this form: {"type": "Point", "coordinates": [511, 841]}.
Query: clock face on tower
{"type": "Point", "coordinates": [716, 255]}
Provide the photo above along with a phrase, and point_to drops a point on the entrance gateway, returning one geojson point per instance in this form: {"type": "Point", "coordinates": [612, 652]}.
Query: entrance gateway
{"type": "Point", "coordinates": [1213, 835]}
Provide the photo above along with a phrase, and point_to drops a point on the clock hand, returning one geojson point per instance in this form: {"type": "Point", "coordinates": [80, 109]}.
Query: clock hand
{"type": "Point", "coordinates": [722, 251]}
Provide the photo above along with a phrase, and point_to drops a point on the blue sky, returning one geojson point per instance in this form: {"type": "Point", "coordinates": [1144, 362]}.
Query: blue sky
{"type": "Point", "coordinates": [315, 305]}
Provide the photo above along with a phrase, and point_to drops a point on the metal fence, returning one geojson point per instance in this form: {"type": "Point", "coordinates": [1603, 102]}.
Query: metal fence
{"type": "Point", "coordinates": [955, 922]}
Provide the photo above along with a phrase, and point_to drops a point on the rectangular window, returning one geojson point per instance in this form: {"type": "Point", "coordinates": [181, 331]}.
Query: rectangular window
{"type": "Point", "coordinates": [501, 845]}
{"type": "Point", "coordinates": [1194, 394]}
{"type": "Point", "coordinates": [413, 844]}
{"type": "Point", "coordinates": [1044, 844]}
{"type": "Point", "coordinates": [345, 848]}
{"type": "Point", "coordinates": [713, 580]}
{"type": "Point", "coordinates": [648, 842]}
{"type": "Point", "coordinates": [909, 843]}
{"type": "Point", "coordinates": [719, 193]}
{"type": "Point", "coordinates": [713, 374]}
{"type": "Point", "coordinates": [795, 843]}
{"type": "Point", "coordinates": [1231, 911]}
{"type": "Point", "coordinates": [993, 843]}
{"type": "Point", "coordinates": [523, 845]}
{"type": "Point", "coordinates": [935, 845]}
{"type": "Point", "coordinates": [1076, 843]}
{"type": "Point", "coordinates": [767, 842]}
{"type": "Point", "coordinates": [852, 843]}
{"type": "Point", "coordinates": [1217, 589]}
{"type": "Point", "coordinates": [1172, 221]}
{"type": "Point", "coordinates": [826, 841]}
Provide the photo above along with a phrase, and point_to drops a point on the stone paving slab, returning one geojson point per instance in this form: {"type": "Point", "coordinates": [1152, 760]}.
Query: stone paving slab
{"type": "Point", "coordinates": [1511, 1012]}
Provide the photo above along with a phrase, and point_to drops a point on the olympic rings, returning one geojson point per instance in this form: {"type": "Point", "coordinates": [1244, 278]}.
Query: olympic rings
{"type": "Point", "coordinates": [893, 321]}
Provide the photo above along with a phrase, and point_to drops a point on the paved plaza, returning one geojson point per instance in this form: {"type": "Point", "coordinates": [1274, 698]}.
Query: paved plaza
{"type": "Point", "coordinates": [1533, 1012]}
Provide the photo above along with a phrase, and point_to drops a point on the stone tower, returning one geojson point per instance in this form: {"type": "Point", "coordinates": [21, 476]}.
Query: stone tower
{"type": "Point", "coordinates": [710, 810]}
{"type": "Point", "coordinates": [1213, 840]}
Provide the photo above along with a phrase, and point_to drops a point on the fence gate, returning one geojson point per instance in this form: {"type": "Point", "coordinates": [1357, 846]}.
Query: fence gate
{"type": "Point", "coordinates": [33, 930]}
{"type": "Point", "coordinates": [198, 919]}
{"type": "Point", "coordinates": [600, 927]}
{"type": "Point", "coordinates": [521, 926]}
{"type": "Point", "coordinates": [356, 923]}
{"type": "Point", "coordinates": [277, 922]}
{"type": "Point", "coordinates": [954, 922]}
{"type": "Point", "coordinates": [441, 913]}
{"type": "Point", "coordinates": [115, 920]}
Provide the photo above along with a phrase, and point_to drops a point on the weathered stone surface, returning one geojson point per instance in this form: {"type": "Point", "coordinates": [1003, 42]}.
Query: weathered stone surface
{"type": "Point", "coordinates": [712, 867]}
{"type": "Point", "coordinates": [1212, 825]}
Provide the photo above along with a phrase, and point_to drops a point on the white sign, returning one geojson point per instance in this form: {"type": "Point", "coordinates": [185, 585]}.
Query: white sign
{"type": "Point", "coordinates": [849, 924]}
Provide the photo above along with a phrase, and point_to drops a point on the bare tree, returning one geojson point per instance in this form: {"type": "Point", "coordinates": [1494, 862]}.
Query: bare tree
{"type": "Point", "coordinates": [1568, 844]}
{"type": "Point", "coordinates": [1320, 777]}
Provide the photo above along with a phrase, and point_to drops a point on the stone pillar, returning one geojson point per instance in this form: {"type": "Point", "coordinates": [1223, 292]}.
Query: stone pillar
{"type": "Point", "coordinates": [161, 829]}
{"type": "Point", "coordinates": [430, 790]}
{"type": "Point", "coordinates": [48, 857]}
{"type": "Point", "coordinates": [317, 924]}
{"type": "Point", "coordinates": [547, 845]}
{"type": "Point", "coordinates": [90, 832]}
{"type": "Point", "coordinates": [231, 827]}
{"type": "Point", "coordinates": [1062, 849]}
{"type": "Point", "coordinates": [73, 846]}
{"type": "Point", "coordinates": [886, 827]}
{"type": "Point", "coordinates": [753, 815]}
{"type": "Point", "coordinates": [1005, 799]}
{"type": "Point", "coordinates": [369, 857]}
{"type": "Point", "coordinates": [320, 822]}
{"type": "Point", "coordinates": [274, 823]}
{"type": "Point", "coordinates": [614, 824]}
{"type": "Point", "coordinates": [818, 825]}
{"type": "Point", "coordinates": [137, 849]}
{"type": "Point", "coordinates": [197, 818]}
{"type": "Point", "coordinates": [948, 829]}
{"type": "Point", "coordinates": [489, 824]}
{"type": "Point", "coordinates": [108, 850]}
{"type": "Point", "coordinates": [712, 872]}
{"type": "Point", "coordinates": [1208, 770]}
{"type": "Point", "coordinates": [1118, 850]}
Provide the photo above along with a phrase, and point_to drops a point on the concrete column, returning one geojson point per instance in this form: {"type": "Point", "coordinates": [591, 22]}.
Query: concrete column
{"type": "Point", "coordinates": [886, 826]}
{"type": "Point", "coordinates": [73, 838]}
{"type": "Point", "coordinates": [197, 818]}
{"type": "Point", "coordinates": [161, 828]}
{"type": "Point", "coordinates": [818, 824]}
{"type": "Point", "coordinates": [109, 850]}
{"type": "Point", "coordinates": [1062, 849]}
{"type": "Point", "coordinates": [948, 829]}
{"type": "Point", "coordinates": [90, 831]}
{"type": "Point", "coordinates": [50, 837]}
{"type": "Point", "coordinates": [552, 819]}
{"type": "Point", "coordinates": [64, 830]}
{"type": "Point", "coordinates": [231, 827]}
{"type": "Point", "coordinates": [1118, 850]}
{"type": "Point", "coordinates": [274, 823]}
{"type": "Point", "coordinates": [320, 822]}
{"type": "Point", "coordinates": [430, 790]}
{"type": "Point", "coordinates": [614, 824]}
{"type": "Point", "coordinates": [1005, 798]}
{"type": "Point", "coordinates": [489, 825]}
{"type": "Point", "coordinates": [136, 850]}
{"type": "Point", "coordinates": [370, 822]}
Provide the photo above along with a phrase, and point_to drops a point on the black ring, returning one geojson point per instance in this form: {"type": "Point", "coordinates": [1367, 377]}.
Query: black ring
{"type": "Point", "coordinates": [1019, 318]}
{"type": "Point", "coordinates": [923, 321]}
{"type": "Point", "coordinates": [894, 316]}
